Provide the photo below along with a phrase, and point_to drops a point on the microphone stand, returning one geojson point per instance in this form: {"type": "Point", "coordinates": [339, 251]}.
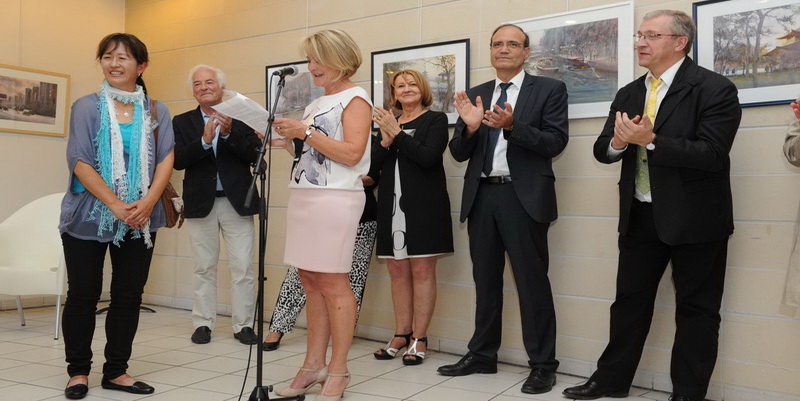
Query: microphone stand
{"type": "Point", "coordinates": [260, 392]}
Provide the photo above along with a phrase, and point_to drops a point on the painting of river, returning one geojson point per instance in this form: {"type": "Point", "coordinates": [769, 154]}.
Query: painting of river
{"type": "Point", "coordinates": [583, 56]}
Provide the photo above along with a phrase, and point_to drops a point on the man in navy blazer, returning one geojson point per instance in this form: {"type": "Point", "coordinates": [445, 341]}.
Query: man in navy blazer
{"type": "Point", "coordinates": [509, 200]}
{"type": "Point", "coordinates": [673, 129]}
{"type": "Point", "coordinates": [216, 152]}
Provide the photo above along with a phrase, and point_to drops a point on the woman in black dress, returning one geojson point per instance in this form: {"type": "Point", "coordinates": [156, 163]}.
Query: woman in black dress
{"type": "Point", "coordinates": [414, 225]}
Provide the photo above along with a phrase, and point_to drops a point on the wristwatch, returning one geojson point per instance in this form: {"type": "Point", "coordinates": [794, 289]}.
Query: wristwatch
{"type": "Point", "coordinates": [309, 132]}
{"type": "Point", "coordinates": [652, 144]}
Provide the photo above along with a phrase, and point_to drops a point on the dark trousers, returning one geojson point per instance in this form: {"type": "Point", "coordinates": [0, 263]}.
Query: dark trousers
{"type": "Point", "coordinates": [130, 264]}
{"type": "Point", "coordinates": [698, 272]}
{"type": "Point", "coordinates": [498, 224]}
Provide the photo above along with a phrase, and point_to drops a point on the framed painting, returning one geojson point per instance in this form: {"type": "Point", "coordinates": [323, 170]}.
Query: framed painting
{"type": "Point", "coordinates": [590, 50]}
{"type": "Point", "coordinates": [298, 92]}
{"type": "Point", "coordinates": [755, 44]}
{"type": "Point", "coordinates": [33, 101]}
{"type": "Point", "coordinates": [444, 64]}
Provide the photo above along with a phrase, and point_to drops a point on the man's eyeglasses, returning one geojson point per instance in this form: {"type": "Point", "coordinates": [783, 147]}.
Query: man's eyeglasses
{"type": "Point", "coordinates": [652, 36]}
{"type": "Point", "coordinates": [511, 45]}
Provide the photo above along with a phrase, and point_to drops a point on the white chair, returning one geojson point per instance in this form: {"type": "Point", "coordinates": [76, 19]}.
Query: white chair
{"type": "Point", "coordinates": [31, 255]}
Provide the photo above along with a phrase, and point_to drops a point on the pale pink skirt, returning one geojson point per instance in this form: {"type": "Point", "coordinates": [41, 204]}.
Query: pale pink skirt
{"type": "Point", "coordinates": [321, 226]}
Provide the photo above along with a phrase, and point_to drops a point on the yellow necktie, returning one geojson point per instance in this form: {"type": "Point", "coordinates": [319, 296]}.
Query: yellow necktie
{"type": "Point", "coordinates": [642, 171]}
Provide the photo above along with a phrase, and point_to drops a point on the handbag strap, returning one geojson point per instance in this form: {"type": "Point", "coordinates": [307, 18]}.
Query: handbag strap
{"type": "Point", "coordinates": [154, 114]}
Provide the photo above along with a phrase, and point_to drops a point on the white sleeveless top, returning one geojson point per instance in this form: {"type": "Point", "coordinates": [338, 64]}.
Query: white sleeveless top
{"type": "Point", "coordinates": [315, 170]}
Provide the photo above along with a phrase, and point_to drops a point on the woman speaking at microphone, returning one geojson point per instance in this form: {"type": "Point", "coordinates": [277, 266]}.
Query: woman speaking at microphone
{"type": "Point", "coordinates": [325, 204]}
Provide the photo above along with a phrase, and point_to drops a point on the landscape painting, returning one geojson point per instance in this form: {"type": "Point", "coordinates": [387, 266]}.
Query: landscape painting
{"type": "Point", "coordinates": [588, 49]}
{"type": "Point", "coordinates": [584, 56]}
{"type": "Point", "coordinates": [754, 44]}
{"type": "Point", "coordinates": [298, 92]}
{"type": "Point", "coordinates": [33, 102]}
{"type": "Point", "coordinates": [445, 65]}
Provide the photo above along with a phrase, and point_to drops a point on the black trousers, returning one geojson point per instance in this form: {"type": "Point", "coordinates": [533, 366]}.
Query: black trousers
{"type": "Point", "coordinates": [498, 224]}
{"type": "Point", "coordinates": [130, 265]}
{"type": "Point", "coordinates": [698, 272]}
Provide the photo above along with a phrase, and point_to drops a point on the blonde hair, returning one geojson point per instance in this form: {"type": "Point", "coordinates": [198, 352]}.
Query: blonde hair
{"type": "Point", "coordinates": [334, 49]}
{"type": "Point", "coordinates": [422, 84]}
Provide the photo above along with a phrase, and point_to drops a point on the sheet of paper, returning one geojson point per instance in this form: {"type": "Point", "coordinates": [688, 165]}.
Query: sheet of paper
{"type": "Point", "coordinates": [244, 109]}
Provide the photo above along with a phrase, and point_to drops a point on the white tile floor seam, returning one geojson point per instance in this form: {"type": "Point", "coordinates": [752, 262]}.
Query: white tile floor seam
{"type": "Point", "coordinates": [32, 366]}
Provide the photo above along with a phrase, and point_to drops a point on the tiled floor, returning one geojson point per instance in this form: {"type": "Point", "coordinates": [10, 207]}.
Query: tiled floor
{"type": "Point", "coordinates": [32, 366]}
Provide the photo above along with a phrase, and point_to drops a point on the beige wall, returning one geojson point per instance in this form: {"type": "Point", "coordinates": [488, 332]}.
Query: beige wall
{"type": "Point", "coordinates": [759, 340]}
{"type": "Point", "coordinates": [58, 36]}
{"type": "Point", "coordinates": [760, 350]}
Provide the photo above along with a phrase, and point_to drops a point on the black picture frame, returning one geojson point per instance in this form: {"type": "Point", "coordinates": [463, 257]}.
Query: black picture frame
{"type": "Point", "coordinates": [298, 92]}
{"type": "Point", "coordinates": [450, 59]}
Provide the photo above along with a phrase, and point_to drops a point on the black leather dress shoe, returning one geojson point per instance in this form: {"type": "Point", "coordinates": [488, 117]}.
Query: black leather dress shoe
{"type": "Point", "coordinates": [681, 397]}
{"type": "Point", "coordinates": [467, 366]}
{"type": "Point", "coordinates": [272, 346]}
{"type": "Point", "coordinates": [76, 392]}
{"type": "Point", "coordinates": [246, 336]}
{"type": "Point", "coordinates": [136, 388]}
{"type": "Point", "coordinates": [202, 335]}
{"type": "Point", "coordinates": [592, 390]}
{"type": "Point", "coordinates": [539, 381]}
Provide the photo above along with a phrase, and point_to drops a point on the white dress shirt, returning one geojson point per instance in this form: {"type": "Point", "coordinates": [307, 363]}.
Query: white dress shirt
{"type": "Point", "coordinates": [500, 163]}
{"type": "Point", "coordinates": [213, 145]}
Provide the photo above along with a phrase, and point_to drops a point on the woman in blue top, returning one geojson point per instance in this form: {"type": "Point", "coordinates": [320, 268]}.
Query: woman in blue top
{"type": "Point", "coordinates": [117, 174]}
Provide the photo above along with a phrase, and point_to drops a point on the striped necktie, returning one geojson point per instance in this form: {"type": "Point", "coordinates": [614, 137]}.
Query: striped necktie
{"type": "Point", "coordinates": [642, 171]}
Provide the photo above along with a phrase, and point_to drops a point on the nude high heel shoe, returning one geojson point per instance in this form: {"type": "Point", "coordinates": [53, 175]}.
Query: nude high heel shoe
{"type": "Point", "coordinates": [288, 391]}
{"type": "Point", "coordinates": [321, 395]}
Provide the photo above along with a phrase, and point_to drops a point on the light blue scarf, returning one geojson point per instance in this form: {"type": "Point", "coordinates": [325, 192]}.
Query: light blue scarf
{"type": "Point", "coordinates": [130, 183]}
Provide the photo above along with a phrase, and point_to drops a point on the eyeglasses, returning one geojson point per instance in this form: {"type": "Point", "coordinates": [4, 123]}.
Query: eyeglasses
{"type": "Point", "coordinates": [511, 45]}
{"type": "Point", "coordinates": [652, 36]}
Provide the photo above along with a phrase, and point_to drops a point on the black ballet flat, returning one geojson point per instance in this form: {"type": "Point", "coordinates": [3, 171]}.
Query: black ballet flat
{"type": "Point", "coordinates": [136, 388]}
{"type": "Point", "coordinates": [272, 346]}
{"type": "Point", "coordinates": [76, 392]}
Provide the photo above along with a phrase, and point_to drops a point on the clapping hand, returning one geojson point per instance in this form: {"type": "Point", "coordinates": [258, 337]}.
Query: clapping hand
{"type": "Point", "coordinates": [471, 114]}
{"type": "Point", "coordinates": [637, 130]}
{"type": "Point", "coordinates": [388, 125]}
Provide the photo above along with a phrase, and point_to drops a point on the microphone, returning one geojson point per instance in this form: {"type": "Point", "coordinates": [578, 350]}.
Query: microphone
{"type": "Point", "coordinates": [286, 72]}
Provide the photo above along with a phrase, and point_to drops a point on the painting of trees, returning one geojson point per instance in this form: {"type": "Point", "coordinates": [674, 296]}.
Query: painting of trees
{"type": "Point", "coordinates": [440, 71]}
{"type": "Point", "coordinates": [747, 46]}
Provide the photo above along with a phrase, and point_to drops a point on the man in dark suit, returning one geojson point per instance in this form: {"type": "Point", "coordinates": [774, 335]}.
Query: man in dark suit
{"type": "Point", "coordinates": [216, 152]}
{"type": "Point", "coordinates": [673, 129]}
{"type": "Point", "coordinates": [509, 197]}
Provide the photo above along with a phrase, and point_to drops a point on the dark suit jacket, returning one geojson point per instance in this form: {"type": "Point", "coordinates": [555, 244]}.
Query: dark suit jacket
{"type": "Point", "coordinates": [540, 133]}
{"type": "Point", "coordinates": [425, 203]}
{"type": "Point", "coordinates": [232, 160]}
{"type": "Point", "coordinates": [690, 166]}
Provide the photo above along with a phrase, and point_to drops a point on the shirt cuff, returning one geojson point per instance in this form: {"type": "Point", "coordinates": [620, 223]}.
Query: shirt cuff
{"type": "Point", "coordinates": [206, 146]}
{"type": "Point", "coordinates": [615, 154]}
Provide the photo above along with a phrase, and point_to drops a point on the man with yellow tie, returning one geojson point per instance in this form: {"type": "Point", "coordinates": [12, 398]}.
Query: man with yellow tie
{"type": "Point", "coordinates": [673, 129]}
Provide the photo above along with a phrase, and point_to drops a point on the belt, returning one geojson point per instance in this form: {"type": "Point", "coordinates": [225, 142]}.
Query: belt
{"type": "Point", "coordinates": [499, 179]}
{"type": "Point", "coordinates": [220, 194]}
